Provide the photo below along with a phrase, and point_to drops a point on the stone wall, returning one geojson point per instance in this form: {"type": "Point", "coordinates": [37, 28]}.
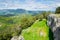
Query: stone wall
{"type": "Point", "coordinates": [17, 38]}
{"type": "Point", "coordinates": [54, 23]}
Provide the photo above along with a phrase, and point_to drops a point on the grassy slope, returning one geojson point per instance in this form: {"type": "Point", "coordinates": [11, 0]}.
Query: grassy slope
{"type": "Point", "coordinates": [38, 31]}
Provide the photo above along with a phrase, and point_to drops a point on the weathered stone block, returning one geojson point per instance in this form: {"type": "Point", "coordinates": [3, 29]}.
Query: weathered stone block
{"type": "Point", "coordinates": [54, 22]}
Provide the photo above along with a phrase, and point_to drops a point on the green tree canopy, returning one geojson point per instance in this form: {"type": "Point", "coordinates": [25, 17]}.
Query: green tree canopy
{"type": "Point", "coordinates": [57, 10]}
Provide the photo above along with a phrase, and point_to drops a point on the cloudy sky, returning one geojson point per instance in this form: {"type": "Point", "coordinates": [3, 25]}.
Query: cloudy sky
{"type": "Point", "coordinates": [30, 4]}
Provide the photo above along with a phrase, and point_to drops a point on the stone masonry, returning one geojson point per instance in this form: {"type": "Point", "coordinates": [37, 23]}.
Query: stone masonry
{"type": "Point", "coordinates": [53, 21]}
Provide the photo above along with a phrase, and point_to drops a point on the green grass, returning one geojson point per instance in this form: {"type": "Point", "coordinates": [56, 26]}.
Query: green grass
{"type": "Point", "coordinates": [38, 31]}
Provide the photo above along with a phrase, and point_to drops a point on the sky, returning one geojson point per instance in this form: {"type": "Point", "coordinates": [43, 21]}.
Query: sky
{"type": "Point", "coordinates": [30, 4]}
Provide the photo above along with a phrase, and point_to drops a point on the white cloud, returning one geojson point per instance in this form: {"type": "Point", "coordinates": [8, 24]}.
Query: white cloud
{"type": "Point", "coordinates": [30, 5]}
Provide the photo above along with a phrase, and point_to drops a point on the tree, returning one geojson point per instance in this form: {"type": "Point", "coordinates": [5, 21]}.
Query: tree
{"type": "Point", "coordinates": [57, 10]}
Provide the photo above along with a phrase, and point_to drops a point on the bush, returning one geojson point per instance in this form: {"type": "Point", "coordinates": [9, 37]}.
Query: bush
{"type": "Point", "coordinates": [57, 10]}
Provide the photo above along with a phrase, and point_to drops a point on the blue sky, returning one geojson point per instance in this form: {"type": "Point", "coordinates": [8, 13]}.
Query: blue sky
{"type": "Point", "coordinates": [30, 4]}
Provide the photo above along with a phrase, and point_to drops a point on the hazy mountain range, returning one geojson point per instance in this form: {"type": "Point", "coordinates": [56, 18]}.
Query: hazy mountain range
{"type": "Point", "coordinates": [11, 12]}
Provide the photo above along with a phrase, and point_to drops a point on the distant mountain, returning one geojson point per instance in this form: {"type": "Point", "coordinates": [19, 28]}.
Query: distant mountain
{"type": "Point", "coordinates": [11, 12]}
{"type": "Point", "coordinates": [34, 12]}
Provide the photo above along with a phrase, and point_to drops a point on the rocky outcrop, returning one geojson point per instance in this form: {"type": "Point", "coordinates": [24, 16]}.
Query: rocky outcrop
{"type": "Point", "coordinates": [53, 20]}
{"type": "Point", "coordinates": [17, 38]}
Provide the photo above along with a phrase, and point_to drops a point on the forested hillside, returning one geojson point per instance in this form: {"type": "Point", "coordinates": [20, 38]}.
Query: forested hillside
{"type": "Point", "coordinates": [13, 25]}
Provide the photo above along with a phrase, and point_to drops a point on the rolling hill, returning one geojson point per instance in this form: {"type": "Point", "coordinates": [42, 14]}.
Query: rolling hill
{"type": "Point", "coordinates": [17, 12]}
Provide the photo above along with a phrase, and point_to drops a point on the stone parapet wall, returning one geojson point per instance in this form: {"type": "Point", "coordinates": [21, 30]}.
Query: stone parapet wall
{"type": "Point", "coordinates": [54, 23]}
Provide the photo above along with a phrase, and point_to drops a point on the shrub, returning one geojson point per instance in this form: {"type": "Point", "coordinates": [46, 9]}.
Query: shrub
{"type": "Point", "coordinates": [57, 10]}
